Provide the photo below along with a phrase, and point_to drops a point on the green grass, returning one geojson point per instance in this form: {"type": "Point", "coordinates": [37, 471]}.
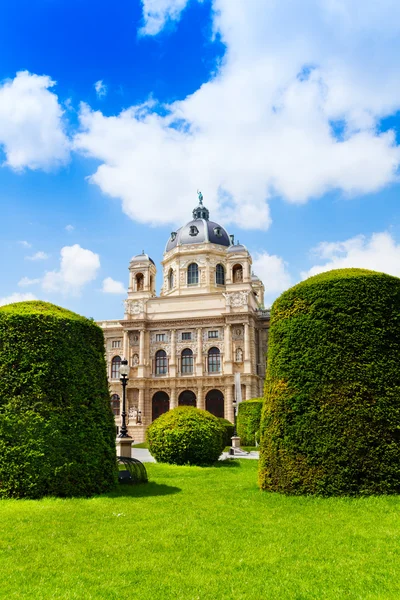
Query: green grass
{"type": "Point", "coordinates": [226, 449]}
{"type": "Point", "coordinates": [140, 445]}
{"type": "Point", "coordinates": [200, 533]}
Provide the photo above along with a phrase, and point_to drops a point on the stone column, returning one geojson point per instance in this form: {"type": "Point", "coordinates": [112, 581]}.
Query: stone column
{"type": "Point", "coordinates": [141, 403]}
{"type": "Point", "coordinates": [228, 403]}
{"type": "Point", "coordinates": [201, 403]}
{"type": "Point", "coordinates": [248, 391]}
{"type": "Point", "coordinates": [172, 362]}
{"type": "Point", "coordinates": [227, 368]}
{"type": "Point", "coordinates": [141, 366]}
{"type": "Point", "coordinates": [247, 349]}
{"type": "Point", "coordinates": [199, 359]}
{"type": "Point", "coordinates": [173, 403]}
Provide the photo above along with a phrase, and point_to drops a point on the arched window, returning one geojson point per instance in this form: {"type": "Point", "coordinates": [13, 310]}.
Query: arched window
{"type": "Point", "coordinates": [193, 274]}
{"type": "Point", "coordinates": [161, 362]}
{"type": "Point", "coordinates": [187, 398]}
{"type": "Point", "coordinates": [215, 403]}
{"type": "Point", "coordinates": [115, 404]}
{"type": "Point", "coordinates": [220, 275]}
{"type": "Point", "coordinates": [139, 282]}
{"type": "Point", "coordinates": [214, 360]}
{"type": "Point", "coordinates": [160, 404]}
{"type": "Point", "coordinates": [239, 355]}
{"type": "Point", "coordinates": [187, 361]}
{"type": "Point", "coordinates": [171, 279]}
{"type": "Point", "coordinates": [237, 274]}
{"type": "Point", "coordinates": [115, 365]}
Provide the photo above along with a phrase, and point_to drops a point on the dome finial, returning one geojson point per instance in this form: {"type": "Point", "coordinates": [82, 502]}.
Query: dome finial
{"type": "Point", "coordinates": [200, 195]}
{"type": "Point", "coordinates": [201, 212]}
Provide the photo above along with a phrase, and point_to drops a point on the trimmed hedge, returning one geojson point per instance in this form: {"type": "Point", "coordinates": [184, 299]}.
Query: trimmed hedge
{"type": "Point", "coordinates": [186, 435]}
{"type": "Point", "coordinates": [228, 430]}
{"type": "Point", "coordinates": [57, 432]}
{"type": "Point", "coordinates": [331, 419]}
{"type": "Point", "coordinates": [248, 420]}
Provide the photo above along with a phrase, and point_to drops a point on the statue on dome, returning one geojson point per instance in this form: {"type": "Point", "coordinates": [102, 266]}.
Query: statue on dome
{"type": "Point", "coordinates": [200, 195]}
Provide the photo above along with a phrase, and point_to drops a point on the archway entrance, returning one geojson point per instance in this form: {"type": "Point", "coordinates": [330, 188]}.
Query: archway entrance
{"type": "Point", "coordinates": [160, 404]}
{"type": "Point", "coordinates": [215, 403]}
{"type": "Point", "coordinates": [187, 398]}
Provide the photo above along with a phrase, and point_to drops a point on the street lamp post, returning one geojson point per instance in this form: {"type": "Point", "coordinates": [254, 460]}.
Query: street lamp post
{"type": "Point", "coordinates": [123, 372]}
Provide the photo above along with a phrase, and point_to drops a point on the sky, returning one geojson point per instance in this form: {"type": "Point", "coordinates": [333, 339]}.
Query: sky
{"type": "Point", "coordinates": [284, 114]}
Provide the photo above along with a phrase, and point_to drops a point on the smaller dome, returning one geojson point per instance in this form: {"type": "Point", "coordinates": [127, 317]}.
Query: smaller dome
{"type": "Point", "coordinates": [142, 258]}
{"type": "Point", "coordinates": [254, 277]}
{"type": "Point", "coordinates": [237, 249]}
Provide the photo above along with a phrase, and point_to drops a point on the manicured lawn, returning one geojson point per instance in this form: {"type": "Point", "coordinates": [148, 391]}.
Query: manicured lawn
{"type": "Point", "coordinates": [200, 533]}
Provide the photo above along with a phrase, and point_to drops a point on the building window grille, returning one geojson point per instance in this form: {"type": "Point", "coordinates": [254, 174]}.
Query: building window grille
{"type": "Point", "coordinates": [115, 365]}
{"type": "Point", "coordinates": [214, 360]}
{"type": "Point", "coordinates": [160, 337]}
{"type": "Point", "coordinates": [116, 344]}
{"type": "Point", "coordinates": [186, 335]}
{"type": "Point", "coordinates": [171, 279]}
{"type": "Point", "coordinates": [193, 274]}
{"type": "Point", "coordinates": [161, 362]}
{"type": "Point", "coordinates": [187, 361]}
{"type": "Point", "coordinates": [115, 405]}
{"type": "Point", "coordinates": [213, 334]}
{"type": "Point", "coordinates": [220, 275]}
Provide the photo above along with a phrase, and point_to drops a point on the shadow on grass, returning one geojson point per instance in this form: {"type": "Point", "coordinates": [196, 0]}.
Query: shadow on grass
{"type": "Point", "coordinates": [140, 490]}
{"type": "Point", "coordinates": [228, 462]}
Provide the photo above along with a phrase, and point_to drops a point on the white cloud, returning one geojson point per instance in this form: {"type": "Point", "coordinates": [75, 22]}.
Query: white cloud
{"type": "Point", "coordinates": [157, 13]}
{"type": "Point", "coordinates": [273, 272]}
{"type": "Point", "coordinates": [69, 228]}
{"type": "Point", "coordinates": [101, 88]}
{"type": "Point", "coordinates": [26, 281]}
{"type": "Point", "coordinates": [16, 297]}
{"type": "Point", "coordinates": [110, 286]}
{"type": "Point", "coordinates": [78, 267]}
{"type": "Point", "coordinates": [38, 256]}
{"type": "Point", "coordinates": [25, 244]}
{"type": "Point", "coordinates": [379, 252]}
{"type": "Point", "coordinates": [292, 111]}
{"type": "Point", "coordinates": [31, 123]}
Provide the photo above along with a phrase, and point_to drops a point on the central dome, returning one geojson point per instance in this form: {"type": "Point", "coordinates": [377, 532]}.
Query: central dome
{"type": "Point", "coordinates": [199, 231]}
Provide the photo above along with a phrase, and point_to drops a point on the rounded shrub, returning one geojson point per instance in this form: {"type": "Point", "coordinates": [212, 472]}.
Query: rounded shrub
{"type": "Point", "coordinates": [331, 419]}
{"type": "Point", "coordinates": [186, 435]}
{"type": "Point", "coordinates": [57, 432]}
{"type": "Point", "coordinates": [248, 420]}
{"type": "Point", "coordinates": [228, 430]}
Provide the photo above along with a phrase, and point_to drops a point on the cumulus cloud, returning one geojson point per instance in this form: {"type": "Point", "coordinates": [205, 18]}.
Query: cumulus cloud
{"type": "Point", "coordinates": [25, 244]}
{"type": "Point", "coordinates": [26, 281]}
{"type": "Point", "coordinates": [293, 111]}
{"type": "Point", "coordinates": [101, 88]}
{"type": "Point", "coordinates": [157, 13]}
{"type": "Point", "coordinates": [32, 132]}
{"type": "Point", "coordinates": [110, 286]}
{"type": "Point", "coordinates": [379, 252]}
{"type": "Point", "coordinates": [16, 297]}
{"type": "Point", "coordinates": [78, 266]}
{"type": "Point", "coordinates": [273, 272]}
{"type": "Point", "coordinates": [40, 255]}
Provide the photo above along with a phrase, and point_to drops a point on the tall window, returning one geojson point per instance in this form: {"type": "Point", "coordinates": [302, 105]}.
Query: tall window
{"type": "Point", "coordinates": [116, 344]}
{"type": "Point", "coordinates": [187, 335]}
{"type": "Point", "coordinates": [220, 275]}
{"type": "Point", "coordinates": [193, 274]}
{"type": "Point", "coordinates": [212, 334]}
{"type": "Point", "coordinates": [160, 337]}
{"type": "Point", "coordinates": [187, 361]}
{"type": "Point", "coordinates": [171, 279]}
{"type": "Point", "coordinates": [161, 362]}
{"type": "Point", "coordinates": [115, 404]}
{"type": "Point", "coordinates": [115, 365]}
{"type": "Point", "coordinates": [214, 360]}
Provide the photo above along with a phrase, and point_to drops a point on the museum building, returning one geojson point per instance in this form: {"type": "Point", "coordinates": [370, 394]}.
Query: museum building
{"type": "Point", "coordinates": [185, 346]}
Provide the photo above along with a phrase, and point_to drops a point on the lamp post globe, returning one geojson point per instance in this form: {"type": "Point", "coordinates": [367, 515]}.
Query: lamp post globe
{"type": "Point", "coordinates": [123, 377]}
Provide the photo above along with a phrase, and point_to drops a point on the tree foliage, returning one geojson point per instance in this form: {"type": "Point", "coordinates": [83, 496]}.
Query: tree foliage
{"type": "Point", "coordinates": [186, 435]}
{"type": "Point", "coordinates": [248, 420]}
{"type": "Point", "coordinates": [57, 433]}
{"type": "Point", "coordinates": [331, 418]}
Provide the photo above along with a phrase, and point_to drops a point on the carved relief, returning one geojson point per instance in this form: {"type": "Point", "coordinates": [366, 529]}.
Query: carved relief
{"type": "Point", "coordinates": [237, 332]}
{"type": "Point", "coordinates": [236, 298]}
{"type": "Point", "coordinates": [134, 307]}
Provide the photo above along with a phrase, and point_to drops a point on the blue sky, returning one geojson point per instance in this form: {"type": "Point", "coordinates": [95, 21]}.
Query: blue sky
{"type": "Point", "coordinates": [286, 117]}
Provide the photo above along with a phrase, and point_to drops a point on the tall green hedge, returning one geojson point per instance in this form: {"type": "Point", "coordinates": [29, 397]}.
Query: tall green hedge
{"type": "Point", "coordinates": [331, 419]}
{"type": "Point", "coordinates": [57, 432]}
{"type": "Point", "coordinates": [248, 420]}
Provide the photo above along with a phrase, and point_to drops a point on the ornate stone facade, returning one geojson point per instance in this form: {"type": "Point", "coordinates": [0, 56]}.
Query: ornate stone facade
{"type": "Point", "coordinates": [186, 345]}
